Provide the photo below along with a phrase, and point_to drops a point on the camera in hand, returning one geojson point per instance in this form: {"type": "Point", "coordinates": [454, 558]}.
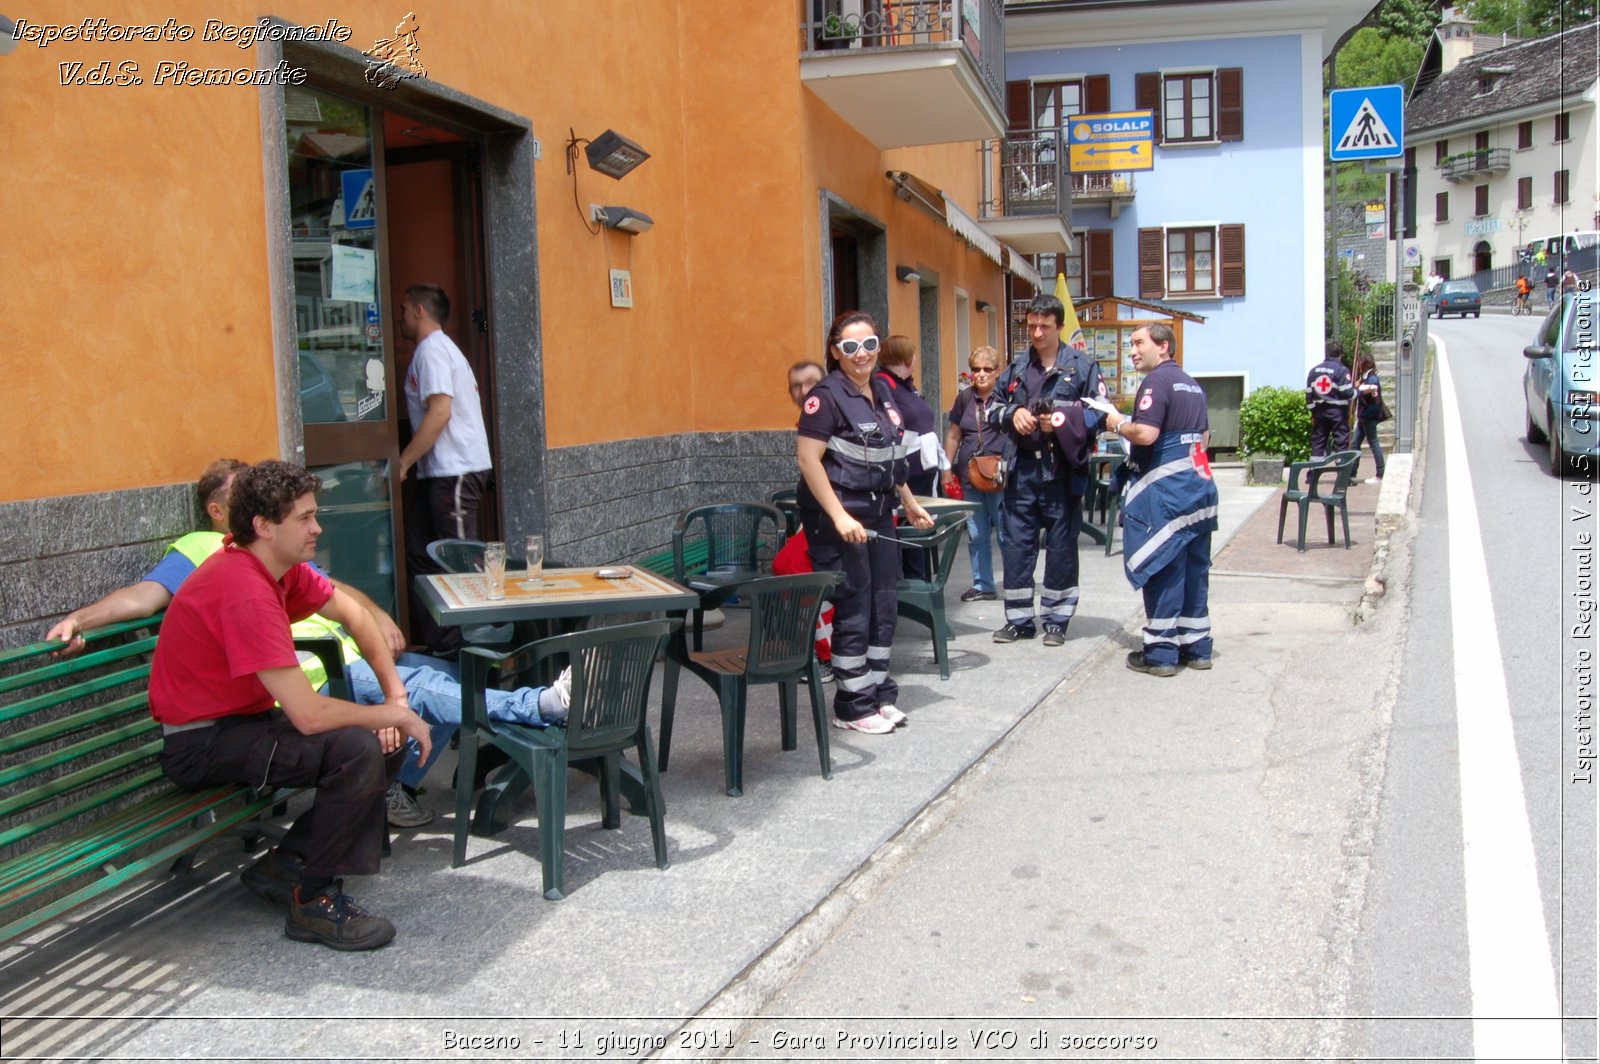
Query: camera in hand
{"type": "Point", "coordinates": [1043, 408]}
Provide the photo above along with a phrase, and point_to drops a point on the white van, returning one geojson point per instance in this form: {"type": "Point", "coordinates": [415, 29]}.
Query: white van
{"type": "Point", "coordinates": [1565, 242]}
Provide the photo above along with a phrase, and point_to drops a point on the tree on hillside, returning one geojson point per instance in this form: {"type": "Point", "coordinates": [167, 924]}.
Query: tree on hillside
{"type": "Point", "coordinates": [1410, 20]}
{"type": "Point", "coordinates": [1529, 18]}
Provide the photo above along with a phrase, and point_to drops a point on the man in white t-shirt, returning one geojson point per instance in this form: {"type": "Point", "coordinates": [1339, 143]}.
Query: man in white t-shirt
{"type": "Point", "coordinates": [448, 444]}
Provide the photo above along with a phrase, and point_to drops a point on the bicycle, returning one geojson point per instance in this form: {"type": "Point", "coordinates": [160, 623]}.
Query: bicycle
{"type": "Point", "coordinates": [1521, 304]}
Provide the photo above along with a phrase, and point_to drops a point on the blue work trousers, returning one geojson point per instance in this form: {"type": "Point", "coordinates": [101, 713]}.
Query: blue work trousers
{"type": "Point", "coordinates": [435, 693]}
{"type": "Point", "coordinates": [1330, 429]}
{"type": "Point", "coordinates": [864, 611]}
{"type": "Point", "coordinates": [1039, 499]}
{"type": "Point", "coordinates": [980, 523]}
{"type": "Point", "coordinates": [1176, 606]}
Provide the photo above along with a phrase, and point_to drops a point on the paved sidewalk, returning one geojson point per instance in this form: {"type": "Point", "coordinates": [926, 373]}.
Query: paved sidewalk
{"type": "Point", "coordinates": [196, 966]}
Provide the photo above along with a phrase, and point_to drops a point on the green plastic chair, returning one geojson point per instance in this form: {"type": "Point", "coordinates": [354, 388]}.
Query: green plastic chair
{"type": "Point", "coordinates": [783, 621]}
{"type": "Point", "coordinates": [1341, 465]}
{"type": "Point", "coordinates": [740, 539]}
{"type": "Point", "coordinates": [923, 600]}
{"type": "Point", "coordinates": [787, 502]}
{"type": "Point", "coordinates": [611, 673]}
{"type": "Point", "coordinates": [1102, 506]}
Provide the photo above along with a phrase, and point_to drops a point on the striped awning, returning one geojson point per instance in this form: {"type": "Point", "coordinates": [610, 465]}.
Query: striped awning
{"type": "Point", "coordinates": [967, 227]}
{"type": "Point", "coordinates": [1020, 267]}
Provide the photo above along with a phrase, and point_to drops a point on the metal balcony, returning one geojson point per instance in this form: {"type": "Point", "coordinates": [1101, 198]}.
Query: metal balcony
{"type": "Point", "coordinates": [904, 74]}
{"type": "Point", "coordinates": [1472, 165]}
{"type": "Point", "coordinates": [1027, 192]}
{"type": "Point", "coordinates": [1108, 190]}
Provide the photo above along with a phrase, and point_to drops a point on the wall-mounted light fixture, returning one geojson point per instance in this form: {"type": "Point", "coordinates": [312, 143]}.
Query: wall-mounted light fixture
{"type": "Point", "coordinates": [907, 274]}
{"type": "Point", "coordinates": [624, 218]}
{"type": "Point", "coordinates": [984, 306]}
{"type": "Point", "coordinates": [614, 155]}
{"type": "Point", "coordinates": [8, 36]}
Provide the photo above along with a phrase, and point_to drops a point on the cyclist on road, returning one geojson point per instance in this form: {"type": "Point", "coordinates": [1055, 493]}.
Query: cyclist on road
{"type": "Point", "coordinates": [1524, 290]}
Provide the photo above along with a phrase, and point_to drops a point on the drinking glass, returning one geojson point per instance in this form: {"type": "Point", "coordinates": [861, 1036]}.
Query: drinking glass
{"type": "Point", "coordinates": [535, 557]}
{"type": "Point", "coordinates": [494, 569]}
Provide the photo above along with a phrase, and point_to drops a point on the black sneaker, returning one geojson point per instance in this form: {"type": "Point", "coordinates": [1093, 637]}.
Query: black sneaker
{"type": "Point", "coordinates": [972, 594]}
{"type": "Point", "coordinates": [1011, 633]}
{"type": "Point", "coordinates": [825, 668]}
{"type": "Point", "coordinates": [335, 920]}
{"type": "Point", "coordinates": [1202, 664]}
{"type": "Point", "coordinates": [274, 876]}
{"type": "Point", "coordinates": [1055, 634]}
{"type": "Point", "coordinates": [1137, 663]}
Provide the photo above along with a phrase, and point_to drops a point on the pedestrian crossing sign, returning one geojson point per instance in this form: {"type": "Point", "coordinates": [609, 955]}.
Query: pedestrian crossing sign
{"type": "Point", "coordinates": [1366, 123]}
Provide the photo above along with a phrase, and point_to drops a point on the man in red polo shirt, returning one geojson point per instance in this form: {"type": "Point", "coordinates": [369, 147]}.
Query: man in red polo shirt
{"type": "Point", "coordinates": [225, 654]}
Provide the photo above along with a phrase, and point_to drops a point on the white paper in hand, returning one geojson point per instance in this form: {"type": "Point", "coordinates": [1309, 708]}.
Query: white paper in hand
{"type": "Point", "coordinates": [1099, 404]}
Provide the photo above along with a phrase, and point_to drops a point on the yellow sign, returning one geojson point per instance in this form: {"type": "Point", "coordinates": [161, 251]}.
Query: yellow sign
{"type": "Point", "coordinates": [1098, 144]}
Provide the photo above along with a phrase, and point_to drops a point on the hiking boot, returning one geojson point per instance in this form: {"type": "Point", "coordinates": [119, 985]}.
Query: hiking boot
{"type": "Point", "coordinates": [274, 877]}
{"type": "Point", "coordinates": [404, 810]}
{"type": "Point", "coordinates": [335, 920]}
{"type": "Point", "coordinates": [1137, 663]}
{"type": "Point", "coordinates": [872, 724]}
{"type": "Point", "coordinates": [1055, 634]}
{"type": "Point", "coordinates": [972, 594]}
{"type": "Point", "coordinates": [1011, 633]}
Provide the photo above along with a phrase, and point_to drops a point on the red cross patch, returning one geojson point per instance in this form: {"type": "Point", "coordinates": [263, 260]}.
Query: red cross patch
{"type": "Point", "coordinates": [813, 404]}
{"type": "Point", "coordinates": [1147, 401]}
{"type": "Point", "coordinates": [1102, 389]}
{"type": "Point", "coordinates": [894, 415]}
{"type": "Point", "coordinates": [1202, 464]}
{"type": "Point", "coordinates": [1322, 385]}
{"type": "Point", "coordinates": [1057, 419]}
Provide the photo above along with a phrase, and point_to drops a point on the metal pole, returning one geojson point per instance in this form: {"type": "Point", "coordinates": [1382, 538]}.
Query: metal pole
{"type": "Point", "coordinates": [1404, 367]}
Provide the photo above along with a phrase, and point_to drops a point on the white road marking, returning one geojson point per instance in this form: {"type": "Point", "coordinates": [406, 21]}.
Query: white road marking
{"type": "Point", "coordinates": [1514, 1007]}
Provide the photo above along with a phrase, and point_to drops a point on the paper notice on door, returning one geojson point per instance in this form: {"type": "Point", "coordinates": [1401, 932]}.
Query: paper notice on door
{"type": "Point", "coordinates": [355, 274]}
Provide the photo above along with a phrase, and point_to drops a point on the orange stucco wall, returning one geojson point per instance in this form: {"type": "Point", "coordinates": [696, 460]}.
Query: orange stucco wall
{"type": "Point", "coordinates": [139, 331]}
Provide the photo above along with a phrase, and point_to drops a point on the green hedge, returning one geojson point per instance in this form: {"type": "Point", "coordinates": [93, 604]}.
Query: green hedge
{"type": "Point", "coordinates": [1275, 421]}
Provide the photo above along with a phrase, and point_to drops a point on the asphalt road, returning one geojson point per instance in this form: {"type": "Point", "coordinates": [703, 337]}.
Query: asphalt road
{"type": "Point", "coordinates": [1416, 960]}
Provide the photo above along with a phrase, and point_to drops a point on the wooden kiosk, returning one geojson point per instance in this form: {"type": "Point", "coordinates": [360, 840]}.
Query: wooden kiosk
{"type": "Point", "coordinates": [1108, 329]}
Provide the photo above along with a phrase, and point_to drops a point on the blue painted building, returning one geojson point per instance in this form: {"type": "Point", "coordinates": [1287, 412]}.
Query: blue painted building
{"type": "Point", "coordinates": [1229, 224]}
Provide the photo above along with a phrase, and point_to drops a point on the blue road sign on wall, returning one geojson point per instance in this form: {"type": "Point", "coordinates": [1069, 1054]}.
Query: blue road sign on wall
{"type": "Point", "coordinates": [1366, 123]}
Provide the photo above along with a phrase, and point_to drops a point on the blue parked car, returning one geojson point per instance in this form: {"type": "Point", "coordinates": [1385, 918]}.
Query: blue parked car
{"type": "Point", "coordinates": [1459, 297]}
{"type": "Point", "coordinates": [1559, 386]}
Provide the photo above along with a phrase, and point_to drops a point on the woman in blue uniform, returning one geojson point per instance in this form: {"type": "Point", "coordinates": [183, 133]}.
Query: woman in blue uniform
{"type": "Point", "coordinates": [852, 472]}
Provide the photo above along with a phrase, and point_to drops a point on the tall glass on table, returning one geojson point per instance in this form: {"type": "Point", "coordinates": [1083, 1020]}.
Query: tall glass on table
{"type": "Point", "coordinates": [494, 569]}
{"type": "Point", "coordinates": [534, 555]}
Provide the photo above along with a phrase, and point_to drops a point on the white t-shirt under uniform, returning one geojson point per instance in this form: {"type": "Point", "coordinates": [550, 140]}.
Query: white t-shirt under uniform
{"type": "Point", "coordinates": [439, 368]}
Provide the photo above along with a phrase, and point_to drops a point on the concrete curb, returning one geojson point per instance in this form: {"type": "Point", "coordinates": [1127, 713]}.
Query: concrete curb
{"type": "Point", "coordinates": [1402, 475]}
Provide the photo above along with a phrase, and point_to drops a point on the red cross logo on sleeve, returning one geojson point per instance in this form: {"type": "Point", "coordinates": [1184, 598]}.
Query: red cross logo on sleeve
{"type": "Point", "coordinates": [1322, 385]}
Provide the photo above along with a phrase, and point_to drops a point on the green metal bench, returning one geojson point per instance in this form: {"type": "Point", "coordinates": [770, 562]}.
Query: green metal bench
{"type": "Point", "coordinates": [84, 805]}
{"type": "Point", "coordinates": [660, 563]}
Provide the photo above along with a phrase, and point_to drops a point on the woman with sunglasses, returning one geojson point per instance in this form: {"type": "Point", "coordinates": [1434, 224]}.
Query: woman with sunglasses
{"type": "Point", "coordinates": [852, 459]}
{"type": "Point", "coordinates": [966, 439]}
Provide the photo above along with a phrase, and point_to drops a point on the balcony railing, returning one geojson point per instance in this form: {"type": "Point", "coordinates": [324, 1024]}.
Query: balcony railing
{"type": "Point", "coordinates": [1480, 163]}
{"type": "Point", "coordinates": [1032, 176]}
{"type": "Point", "coordinates": [1100, 188]}
{"type": "Point", "coordinates": [921, 24]}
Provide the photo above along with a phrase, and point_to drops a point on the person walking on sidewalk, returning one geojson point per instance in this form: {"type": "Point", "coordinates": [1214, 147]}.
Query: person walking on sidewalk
{"type": "Point", "coordinates": [1169, 507]}
{"type": "Point", "coordinates": [1328, 395]}
{"type": "Point", "coordinates": [1369, 404]}
{"type": "Point", "coordinates": [1041, 410]}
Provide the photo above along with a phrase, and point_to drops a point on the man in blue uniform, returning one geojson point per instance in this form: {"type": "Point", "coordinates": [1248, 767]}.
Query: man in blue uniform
{"type": "Point", "coordinates": [1328, 394]}
{"type": "Point", "coordinates": [1169, 508]}
{"type": "Point", "coordinates": [1040, 408]}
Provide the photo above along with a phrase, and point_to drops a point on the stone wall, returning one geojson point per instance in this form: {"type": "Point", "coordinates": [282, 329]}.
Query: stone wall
{"type": "Point", "coordinates": [57, 554]}
{"type": "Point", "coordinates": [607, 502]}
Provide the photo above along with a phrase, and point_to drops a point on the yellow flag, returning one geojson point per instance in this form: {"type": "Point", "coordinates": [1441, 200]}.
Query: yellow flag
{"type": "Point", "coordinates": [1071, 329]}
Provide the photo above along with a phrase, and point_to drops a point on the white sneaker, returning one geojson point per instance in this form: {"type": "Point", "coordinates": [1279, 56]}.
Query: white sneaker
{"type": "Point", "coordinates": [563, 687]}
{"type": "Point", "coordinates": [893, 715]}
{"type": "Point", "coordinates": [872, 725]}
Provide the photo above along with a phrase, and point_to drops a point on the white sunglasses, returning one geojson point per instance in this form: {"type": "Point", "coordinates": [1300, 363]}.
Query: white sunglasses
{"type": "Point", "coordinates": [850, 347]}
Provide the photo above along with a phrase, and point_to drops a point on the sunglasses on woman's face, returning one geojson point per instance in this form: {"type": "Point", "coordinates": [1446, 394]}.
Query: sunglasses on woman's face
{"type": "Point", "coordinates": [981, 369]}
{"type": "Point", "coordinates": [850, 347]}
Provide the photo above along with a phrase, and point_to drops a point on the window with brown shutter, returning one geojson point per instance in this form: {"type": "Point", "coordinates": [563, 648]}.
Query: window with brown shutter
{"type": "Point", "coordinates": [1525, 135]}
{"type": "Point", "coordinates": [1561, 186]}
{"type": "Point", "coordinates": [1019, 105]}
{"type": "Point", "coordinates": [1441, 208]}
{"type": "Point", "coordinates": [1230, 239]}
{"type": "Point", "coordinates": [1097, 94]}
{"type": "Point", "coordinates": [1480, 201]}
{"type": "Point", "coordinates": [1230, 103]}
{"type": "Point", "coordinates": [1563, 126]}
{"type": "Point", "coordinates": [1524, 193]}
{"type": "Point", "coordinates": [1441, 151]}
{"type": "Point", "coordinates": [1099, 272]}
{"type": "Point", "coordinates": [1152, 264]}
{"type": "Point", "coordinates": [1147, 97]}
